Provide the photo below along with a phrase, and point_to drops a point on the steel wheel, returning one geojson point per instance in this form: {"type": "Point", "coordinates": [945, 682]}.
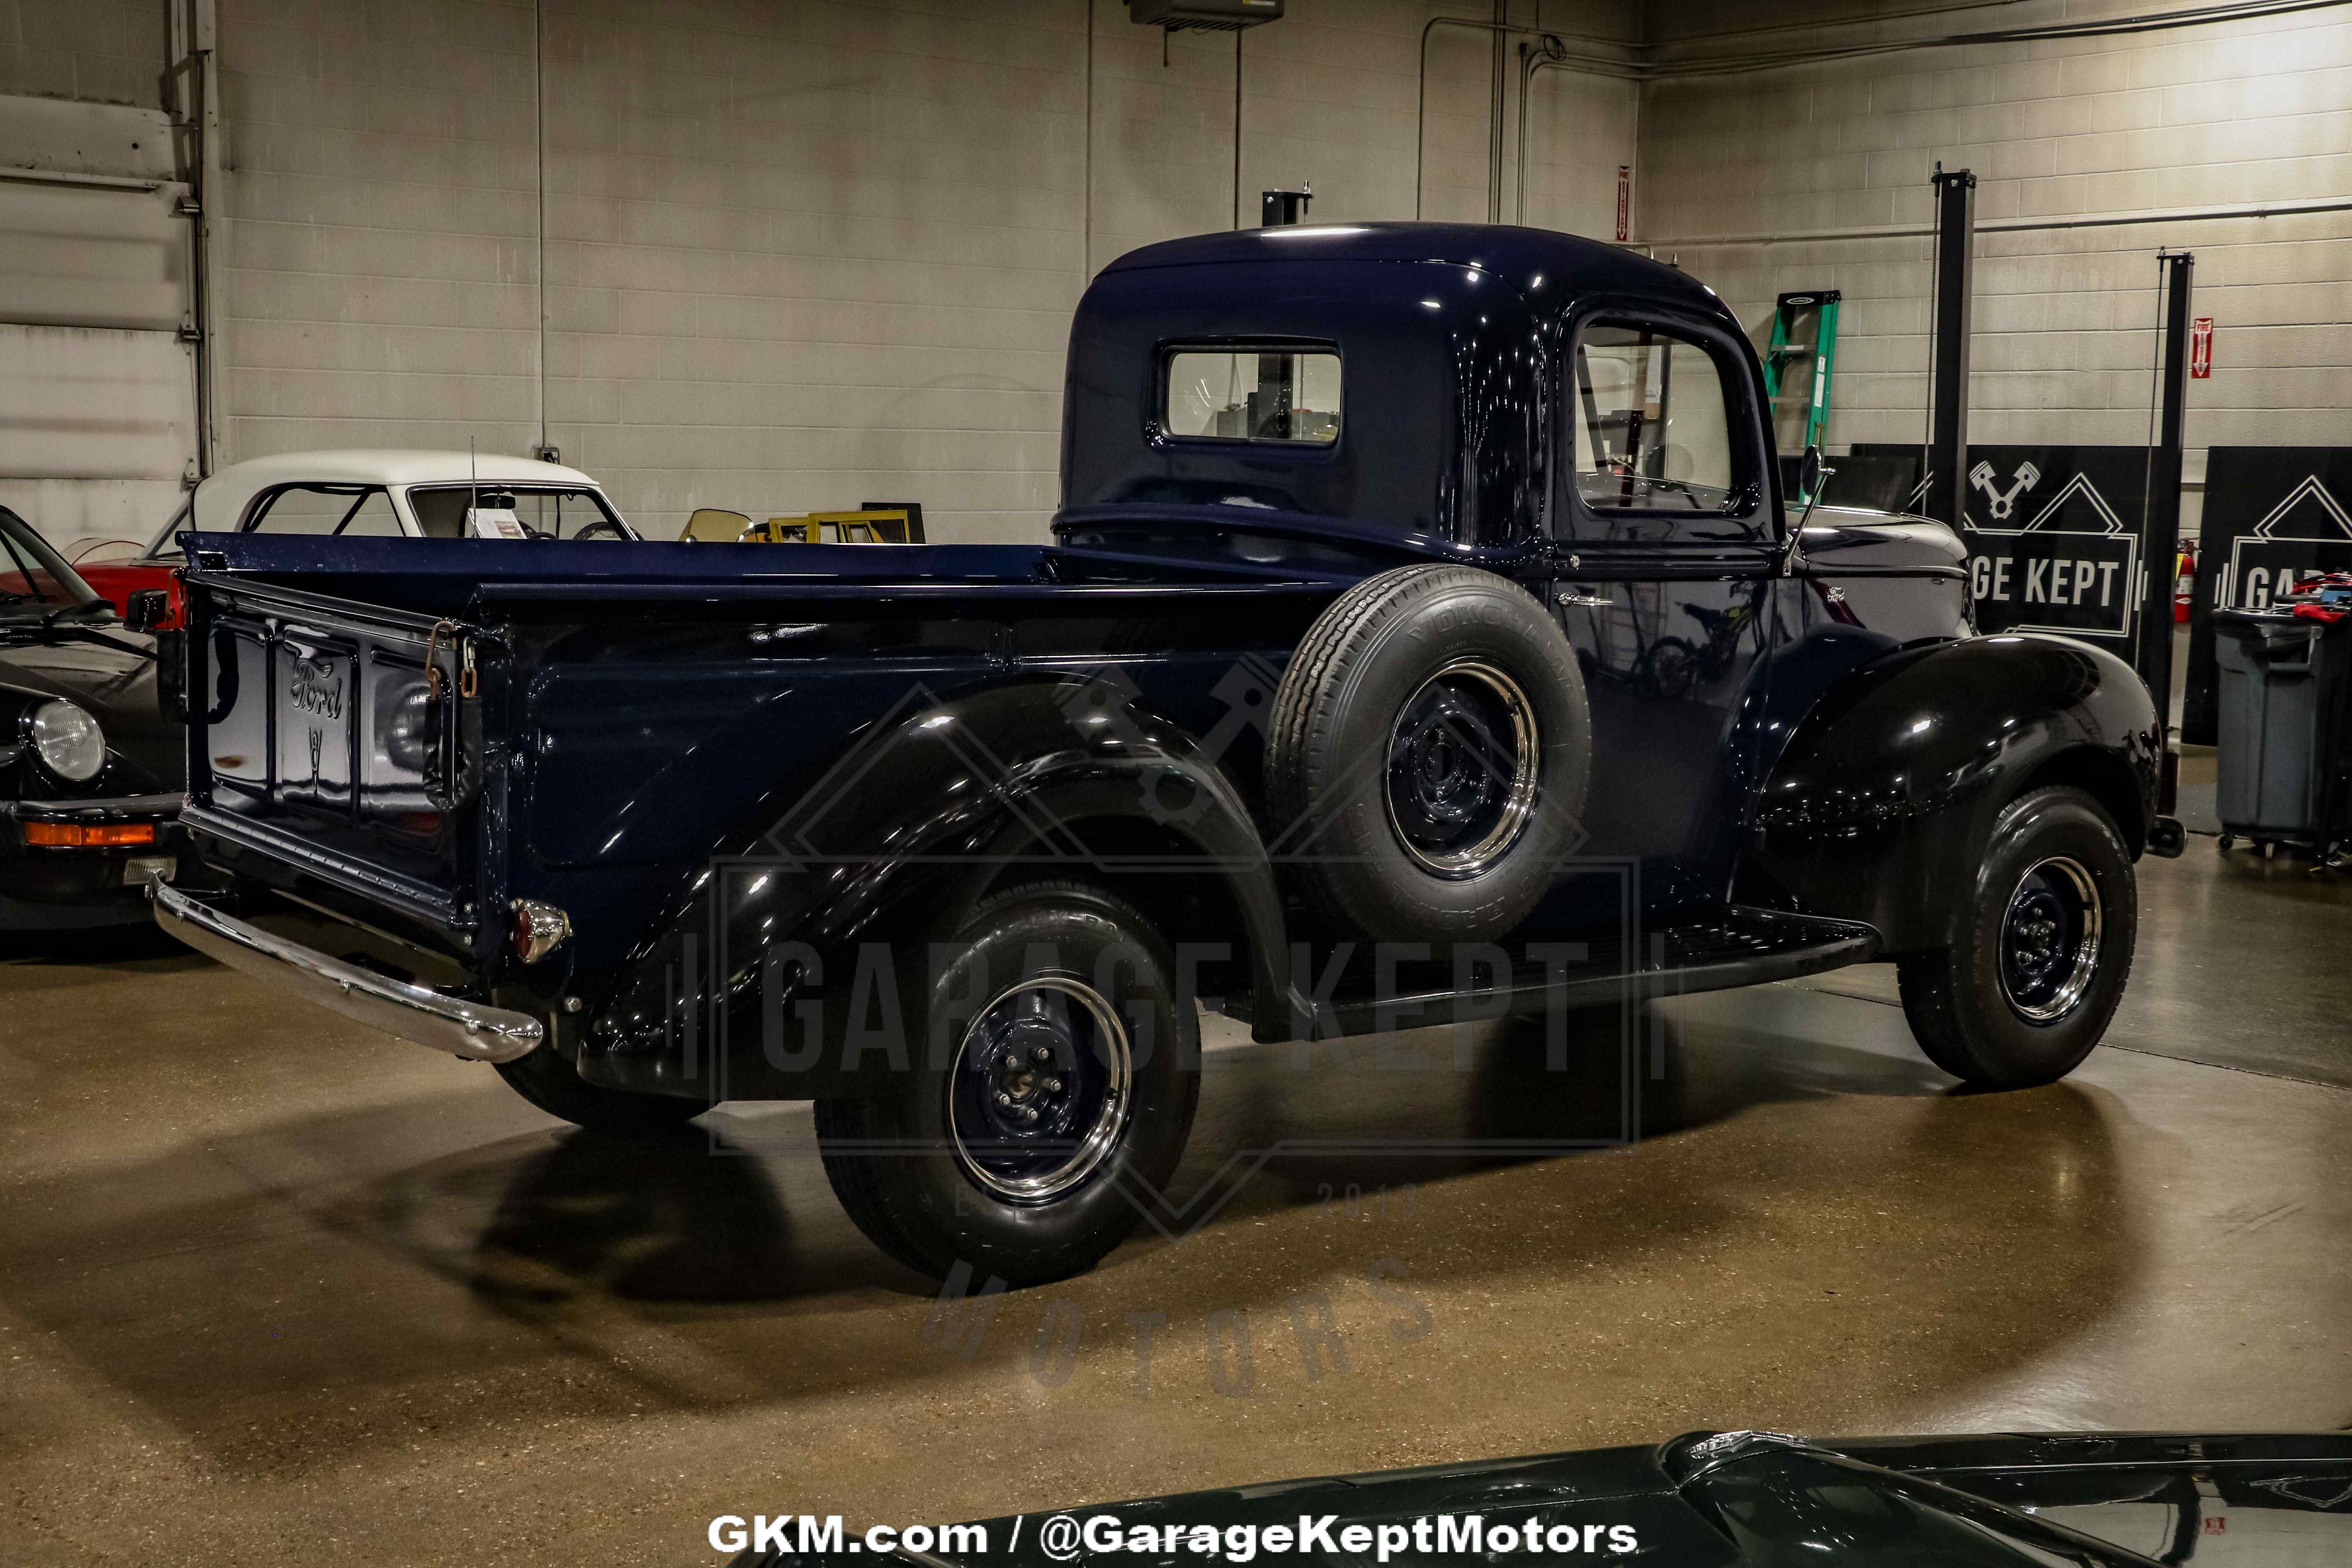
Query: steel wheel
{"type": "Point", "coordinates": [2050, 939]}
{"type": "Point", "coordinates": [1041, 1089]}
{"type": "Point", "coordinates": [1461, 769]}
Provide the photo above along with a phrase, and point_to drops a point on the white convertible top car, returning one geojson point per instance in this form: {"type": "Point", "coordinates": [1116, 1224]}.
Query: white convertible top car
{"type": "Point", "coordinates": [386, 493]}
{"type": "Point", "coordinates": [421, 494]}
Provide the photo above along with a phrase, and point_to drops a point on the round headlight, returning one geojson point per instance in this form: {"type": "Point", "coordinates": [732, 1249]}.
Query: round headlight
{"type": "Point", "coordinates": [67, 741]}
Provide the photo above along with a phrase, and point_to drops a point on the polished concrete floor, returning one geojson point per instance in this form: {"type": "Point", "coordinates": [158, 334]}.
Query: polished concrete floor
{"type": "Point", "coordinates": [272, 1287]}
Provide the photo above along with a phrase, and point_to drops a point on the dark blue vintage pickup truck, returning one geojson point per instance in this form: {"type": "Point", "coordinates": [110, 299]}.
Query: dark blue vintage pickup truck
{"type": "Point", "coordinates": [1425, 638]}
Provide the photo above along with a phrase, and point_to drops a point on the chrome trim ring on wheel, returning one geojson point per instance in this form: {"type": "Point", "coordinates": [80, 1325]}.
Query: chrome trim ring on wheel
{"type": "Point", "coordinates": [1041, 1089]}
{"type": "Point", "coordinates": [2050, 939]}
{"type": "Point", "coordinates": [1461, 769]}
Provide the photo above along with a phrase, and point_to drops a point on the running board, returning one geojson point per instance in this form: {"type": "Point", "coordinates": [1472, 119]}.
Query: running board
{"type": "Point", "coordinates": [1706, 950]}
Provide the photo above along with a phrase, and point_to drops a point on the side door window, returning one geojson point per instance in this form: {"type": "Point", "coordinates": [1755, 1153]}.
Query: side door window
{"type": "Point", "coordinates": [363, 511]}
{"type": "Point", "coordinates": [1670, 602]}
{"type": "Point", "coordinates": [1659, 440]}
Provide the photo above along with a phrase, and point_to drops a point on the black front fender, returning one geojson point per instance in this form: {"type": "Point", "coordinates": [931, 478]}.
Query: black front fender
{"type": "Point", "coordinates": [1880, 804]}
{"type": "Point", "coordinates": [897, 842]}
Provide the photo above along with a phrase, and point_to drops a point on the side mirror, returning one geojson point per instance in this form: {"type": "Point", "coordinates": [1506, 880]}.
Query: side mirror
{"type": "Point", "coordinates": [147, 609]}
{"type": "Point", "coordinates": [1808, 473]}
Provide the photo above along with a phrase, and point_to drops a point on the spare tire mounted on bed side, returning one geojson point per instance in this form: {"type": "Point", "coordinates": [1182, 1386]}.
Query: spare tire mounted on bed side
{"type": "Point", "coordinates": [1427, 756]}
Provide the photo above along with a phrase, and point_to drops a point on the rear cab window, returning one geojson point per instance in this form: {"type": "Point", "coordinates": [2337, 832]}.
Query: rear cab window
{"type": "Point", "coordinates": [1281, 395]}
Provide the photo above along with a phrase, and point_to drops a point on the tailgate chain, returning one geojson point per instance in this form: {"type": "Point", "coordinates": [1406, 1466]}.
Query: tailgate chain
{"type": "Point", "coordinates": [469, 683]}
{"type": "Point", "coordinates": [456, 785]}
{"type": "Point", "coordinates": [432, 663]}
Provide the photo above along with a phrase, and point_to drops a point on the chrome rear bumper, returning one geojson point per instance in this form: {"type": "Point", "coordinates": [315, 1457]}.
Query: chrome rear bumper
{"type": "Point", "coordinates": [414, 1013]}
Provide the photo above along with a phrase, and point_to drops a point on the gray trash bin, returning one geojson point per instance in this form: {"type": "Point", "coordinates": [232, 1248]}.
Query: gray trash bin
{"type": "Point", "coordinates": [2284, 684]}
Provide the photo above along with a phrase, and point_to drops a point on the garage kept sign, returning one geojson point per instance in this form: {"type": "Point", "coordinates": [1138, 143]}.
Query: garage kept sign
{"type": "Point", "coordinates": [2053, 538]}
{"type": "Point", "coordinates": [2272, 513]}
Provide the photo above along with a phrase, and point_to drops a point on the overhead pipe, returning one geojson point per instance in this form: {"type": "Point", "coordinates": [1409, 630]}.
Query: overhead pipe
{"type": "Point", "coordinates": [2215, 214]}
{"type": "Point", "coordinates": [2112, 26]}
{"type": "Point", "coordinates": [1667, 69]}
{"type": "Point", "coordinates": [1533, 57]}
{"type": "Point", "coordinates": [1555, 56]}
{"type": "Point", "coordinates": [1421, 97]}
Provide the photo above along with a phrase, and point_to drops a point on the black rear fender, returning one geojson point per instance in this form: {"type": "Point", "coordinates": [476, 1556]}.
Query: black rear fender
{"type": "Point", "coordinates": [897, 843]}
{"type": "Point", "coordinates": [1879, 805]}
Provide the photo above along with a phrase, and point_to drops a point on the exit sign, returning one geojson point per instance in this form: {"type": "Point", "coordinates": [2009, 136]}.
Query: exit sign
{"type": "Point", "coordinates": [2201, 348]}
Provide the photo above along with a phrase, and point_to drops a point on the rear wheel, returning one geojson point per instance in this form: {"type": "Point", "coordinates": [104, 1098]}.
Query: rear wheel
{"type": "Point", "coordinates": [549, 1082]}
{"type": "Point", "coordinates": [1051, 1085]}
{"type": "Point", "coordinates": [2044, 949]}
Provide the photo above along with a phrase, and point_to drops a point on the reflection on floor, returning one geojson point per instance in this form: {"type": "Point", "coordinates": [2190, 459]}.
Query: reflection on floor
{"type": "Point", "coordinates": [267, 1280]}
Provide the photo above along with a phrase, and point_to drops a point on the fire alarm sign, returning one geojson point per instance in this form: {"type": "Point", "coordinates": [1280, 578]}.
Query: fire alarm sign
{"type": "Point", "coordinates": [2201, 348]}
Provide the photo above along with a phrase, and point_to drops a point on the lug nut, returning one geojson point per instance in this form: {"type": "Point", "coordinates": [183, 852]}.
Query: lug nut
{"type": "Point", "coordinates": [1052, 1086]}
{"type": "Point", "coordinates": [1003, 1100]}
{"type": "Point", "coordinates": [1043, 1053]}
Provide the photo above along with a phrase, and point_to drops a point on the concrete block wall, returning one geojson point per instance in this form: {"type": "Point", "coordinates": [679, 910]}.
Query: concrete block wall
{"type": "Point", "coordinates": [381, 257]}
{"type": "Point", "coordinates": [2257, 111]}
{"type": "Point", "coordinates": [96, 51]}
{"type": "Point", "coordinates": [800, 253]}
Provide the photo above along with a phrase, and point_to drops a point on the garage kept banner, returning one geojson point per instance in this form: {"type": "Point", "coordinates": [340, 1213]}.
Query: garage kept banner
{"type": "Point", "coordinates": [2271, 514]}
{"type": "Point", "coordinates": [2053, 538]}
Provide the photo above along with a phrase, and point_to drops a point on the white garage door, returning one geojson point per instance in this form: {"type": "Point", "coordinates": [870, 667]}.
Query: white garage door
{"type": "Point", "coordinates": [98, 403]}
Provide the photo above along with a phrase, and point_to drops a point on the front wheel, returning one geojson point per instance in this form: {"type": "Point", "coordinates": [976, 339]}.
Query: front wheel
{"type": "Point", "coordinates": [1052, 1077]}
{"type": "Point", "coordinates": [2044, 949]}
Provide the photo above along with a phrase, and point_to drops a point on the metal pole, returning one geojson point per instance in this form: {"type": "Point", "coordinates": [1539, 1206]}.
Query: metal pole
{"type": "Point", "coordinates": [1086, 244]}
{"type": "Point", "coordinates": [1526, 74]}
{"type": "Point", "coordinates": [211, 199]}
{"type": "Point", "coordinates": [1947, 448]}
{"type": "Point", "coordinates": [1238, 33]}
{"type": "Point", "coordinates": [539, 173]}
{"type": "Point", "coordinates": [1494, 116]}
{"type": "Point", "coordinates": [2160, 539]}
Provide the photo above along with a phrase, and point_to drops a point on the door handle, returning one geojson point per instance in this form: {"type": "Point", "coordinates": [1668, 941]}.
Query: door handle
{"type": "Point", "coordinates": [1590, 601]}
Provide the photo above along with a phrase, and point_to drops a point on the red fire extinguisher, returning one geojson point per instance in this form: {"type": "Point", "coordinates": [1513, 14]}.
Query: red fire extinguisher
{"type": "Point", "coordinates": [2184, 581]}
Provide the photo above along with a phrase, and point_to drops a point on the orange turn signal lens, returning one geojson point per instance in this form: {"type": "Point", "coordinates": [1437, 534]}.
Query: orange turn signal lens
{"type": "Point", "coordinates": [88, 835]}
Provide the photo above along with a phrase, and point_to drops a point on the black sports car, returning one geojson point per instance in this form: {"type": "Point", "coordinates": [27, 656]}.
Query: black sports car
{"type": "Point", "coordinates": [1724, 1500]}
{"type": "Point", "coordinates": [91, 765]}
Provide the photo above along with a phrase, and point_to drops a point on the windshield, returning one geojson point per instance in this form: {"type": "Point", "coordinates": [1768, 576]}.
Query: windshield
{"type": "Point", "coordinates": [34, 578]}
{"type": "Point", "coordinates": [544, 511]}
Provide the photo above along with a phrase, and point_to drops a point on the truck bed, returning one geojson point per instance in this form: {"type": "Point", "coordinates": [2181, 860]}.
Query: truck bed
{"type": "Point", "coordinates": [622, 689]}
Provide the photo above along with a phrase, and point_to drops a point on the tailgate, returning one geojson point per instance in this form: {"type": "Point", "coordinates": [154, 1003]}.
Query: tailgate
{"type": "Point", "coordinates": [317, 741]}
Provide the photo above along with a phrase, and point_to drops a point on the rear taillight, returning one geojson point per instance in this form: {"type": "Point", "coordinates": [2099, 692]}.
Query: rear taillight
{"type": "Point", "coordinates": [538, 930]}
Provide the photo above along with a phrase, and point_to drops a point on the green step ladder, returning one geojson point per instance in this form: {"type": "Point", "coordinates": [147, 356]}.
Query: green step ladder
{"type": "Point", "coordinates": [1804, 329]}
